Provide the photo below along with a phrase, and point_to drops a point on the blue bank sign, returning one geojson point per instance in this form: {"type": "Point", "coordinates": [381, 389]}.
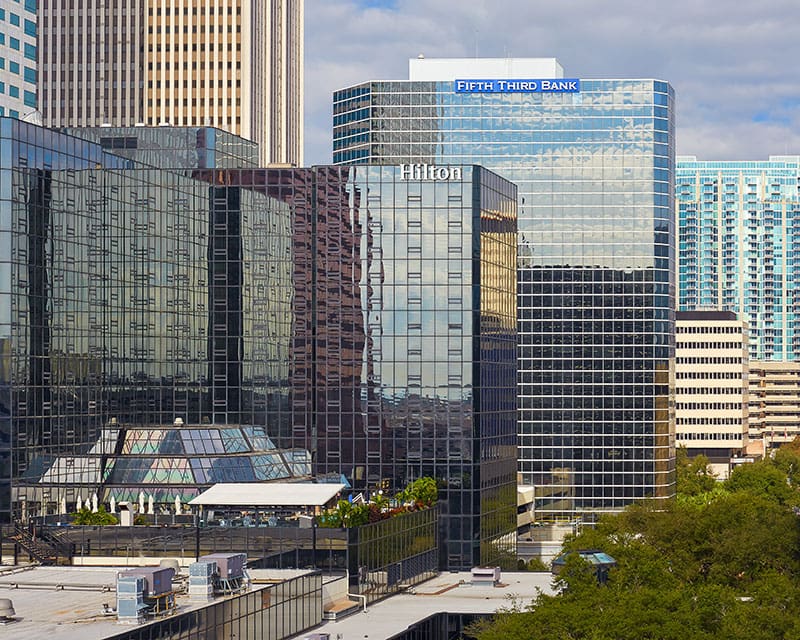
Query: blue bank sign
{"type": "Point", "coordinates": [559, 85]}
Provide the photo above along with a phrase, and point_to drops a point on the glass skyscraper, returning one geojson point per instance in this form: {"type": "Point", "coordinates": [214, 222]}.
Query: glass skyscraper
{"type": "Point", "coordinates": [594, 163]}
{"type": "Point", "coordinates": [131, 296]}
{"type": "Point", "coordinates": [163, 329]}
{"type": "Point", "coordinates": [739, 226]}
{"type": "Point", "coordinates": [404, 336]}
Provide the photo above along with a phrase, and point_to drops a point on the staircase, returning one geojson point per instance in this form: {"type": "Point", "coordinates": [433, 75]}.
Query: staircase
{"type": "Point", "coordinates": [43, 552]}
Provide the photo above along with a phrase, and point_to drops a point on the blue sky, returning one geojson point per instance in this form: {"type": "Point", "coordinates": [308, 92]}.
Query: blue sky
{"type": "Point", "coordinates": [733, 66]}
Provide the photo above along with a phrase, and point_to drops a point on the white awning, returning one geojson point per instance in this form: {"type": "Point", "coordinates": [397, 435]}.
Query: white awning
{"type": "Point", "coordinates": [273, 494]}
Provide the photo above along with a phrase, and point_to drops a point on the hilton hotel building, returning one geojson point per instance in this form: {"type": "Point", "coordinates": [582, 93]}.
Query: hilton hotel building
{"type": "Point", "coordinates": [232, 64]}
{"type": "Point", "coordinates": [594, 162]}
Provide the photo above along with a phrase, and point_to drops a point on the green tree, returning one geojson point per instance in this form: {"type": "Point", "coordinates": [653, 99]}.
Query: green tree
{"type": "Point", "coordinates": [787, 460]}
{"type": "Point", "coordinates": [700, 569]}
{"type": "Point", "coordinates": [694, 477]}
{"type": "Point", "coordinates": [87, 517]}
{"type": "Point", "coordinates": [762, 478]}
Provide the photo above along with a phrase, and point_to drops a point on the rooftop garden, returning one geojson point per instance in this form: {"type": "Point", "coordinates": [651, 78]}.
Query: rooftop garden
{"type": "Point", "coordinates": [420, 494]}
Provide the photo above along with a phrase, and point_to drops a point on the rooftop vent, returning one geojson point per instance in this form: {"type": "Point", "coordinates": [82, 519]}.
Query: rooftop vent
{"type": "Point", "coordinates": [6, 611]}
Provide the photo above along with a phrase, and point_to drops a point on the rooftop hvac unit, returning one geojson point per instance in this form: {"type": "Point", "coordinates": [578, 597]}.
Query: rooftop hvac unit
{"type": "Point", "coordinates": [229, 565]}
{"type": "Point", "coordinates": [157, 580]}
{"type": "Point", "coordinates": [201, 580]}
{"type": "Point", "coordinates": [130, 599]}
{"type": "Point", "coordinates": [202, 569]}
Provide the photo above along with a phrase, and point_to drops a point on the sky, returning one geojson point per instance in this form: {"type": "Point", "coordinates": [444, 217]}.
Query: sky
{"type": "Point", "coordinates": [735, 67]}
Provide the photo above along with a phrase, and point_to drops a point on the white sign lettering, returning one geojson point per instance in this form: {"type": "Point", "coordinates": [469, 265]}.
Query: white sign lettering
{"type": "Point", "coordinates": [429, 172]}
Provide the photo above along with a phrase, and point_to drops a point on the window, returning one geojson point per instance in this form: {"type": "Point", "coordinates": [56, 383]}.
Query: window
{"type": "Point", "coordinates": [15, 43]}
{"type": "Point", "coordinates": [13, 67]}
{"type": "Point", "coordinates": [30, 51]}
{"type": "Point", "coordinates": [13, 91]}
{"type": "Point", "coordinates": [14, 19]}
{"type": "Point", "coordinates": [29, 98]}
{"type": "Point", "coordinates": [30, 75]}
{"type": "Point", "coordinates": [30, 5]}
{"type": "Point", "coordinates": [30, 28]}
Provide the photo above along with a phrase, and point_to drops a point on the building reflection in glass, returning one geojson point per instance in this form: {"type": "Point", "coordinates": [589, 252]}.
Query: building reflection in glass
{"type": "Point", "coordinates": [596, 298]}
{"type": "Point", "coordinates": [345, 311]}
{"type": "Point", "coordinates": [138, 295]}
{"type": "Point", "coordinates": [404, 335]}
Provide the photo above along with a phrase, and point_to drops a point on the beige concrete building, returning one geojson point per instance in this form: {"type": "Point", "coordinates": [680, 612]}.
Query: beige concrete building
{"type": "Point", "coordinates": [711, 386]}
{"type": "Point", "coordinates": [774, 403]}
{"type": "Point", "coordinates": [232, 64]}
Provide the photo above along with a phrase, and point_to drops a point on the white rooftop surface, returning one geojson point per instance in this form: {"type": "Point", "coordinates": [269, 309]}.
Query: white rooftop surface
{"type": "Point", "coordinates": [444, 69]}
{"type": "Point", "coordinates": [273, 494]}
{"type": "Point", "coordinates": [443, 594]}
{"type": "Point", "coordinates": [66, 603]}
{"type": "Point", "coordinates": [44, 610]}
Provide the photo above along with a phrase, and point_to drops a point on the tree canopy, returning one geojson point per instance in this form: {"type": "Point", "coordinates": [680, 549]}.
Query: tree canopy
{"type": "Point", "coordinates": [721, 561]}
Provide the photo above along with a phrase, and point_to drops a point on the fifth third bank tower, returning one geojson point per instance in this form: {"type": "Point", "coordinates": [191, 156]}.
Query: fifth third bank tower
{"type": "Point", "coordinates": [594, 161]}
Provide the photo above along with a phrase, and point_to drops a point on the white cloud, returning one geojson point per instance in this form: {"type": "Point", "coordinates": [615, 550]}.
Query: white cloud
{"type": "Point", "coordinates": [733, 65]}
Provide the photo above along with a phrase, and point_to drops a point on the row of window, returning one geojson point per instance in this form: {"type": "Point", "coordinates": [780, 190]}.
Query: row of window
{"type": "Point", "coordinates": [15, 20]}
{"type": "Point", "coordinates": [29, 50]}
{"type": "Point", "coordinates": [708, 421]}
{"type": "Point", "coordinates": [711, 375]}
{"type": "Point", "coordinates": [185, 66]}
{"type": "Point", "coordinates": [195, 10]}
{"type": "Point", "coordinates": [195, 47]}
{"type": "Point", "coordinates": [709, 345]}
{"type": "Point", "coordinates": [201, 84]}
{"type": "Point", "coordinates": [195, 29]}
{"type": "Point", "coordinates": [709, 436]}
{"type": "Point", "coordinates": [708, 329]}
{"type": "Point", "coordinates": [28, 73]}
{"type": "Point", "coordinates": [711, 390]}
{"type": "Point", "coordinates": [29, 97]}
{"type": "Point", "coordinates": [713, 360]}
{"type": "Point", "coordinates": [185, 103]}
{"type": "Point", "coordinates": [716, 406]}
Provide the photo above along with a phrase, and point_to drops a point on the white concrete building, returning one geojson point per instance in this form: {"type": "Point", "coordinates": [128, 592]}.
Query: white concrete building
{"type": "Point", "coordinates": [774, 403]}
{"type": "Point", "coordinates": [711, 386]}
{"type": "Point", "coordinates": [18, 59]}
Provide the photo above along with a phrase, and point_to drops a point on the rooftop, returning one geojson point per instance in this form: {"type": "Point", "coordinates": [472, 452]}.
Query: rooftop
{"type": "Point", "coordinates": [449, 592]}
{"type": "Point", "coordinates": [273, 494]}
{"type": "Point", "coordinates": [427, 69]}
{"type": "Point", "coordinates": [67, 603]}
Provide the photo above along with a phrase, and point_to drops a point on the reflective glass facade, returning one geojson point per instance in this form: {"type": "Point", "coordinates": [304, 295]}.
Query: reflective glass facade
{"type": "Point", "coordinates": [596, 266]}
{"type": "Point", "coordinates": [174, 147]}
{"type": "Point", "coordinates": [403, 339]}
{"type": "Point", "coordinates": [739, 228]}
{"type": "Point", "coordinates": [137, 294]}
{"type": "Point", "coordinates": [350, 312]}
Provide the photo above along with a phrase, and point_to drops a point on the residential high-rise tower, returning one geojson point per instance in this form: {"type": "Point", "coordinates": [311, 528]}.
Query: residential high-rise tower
{"type": "Point", "coordinates": [739, 225]}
